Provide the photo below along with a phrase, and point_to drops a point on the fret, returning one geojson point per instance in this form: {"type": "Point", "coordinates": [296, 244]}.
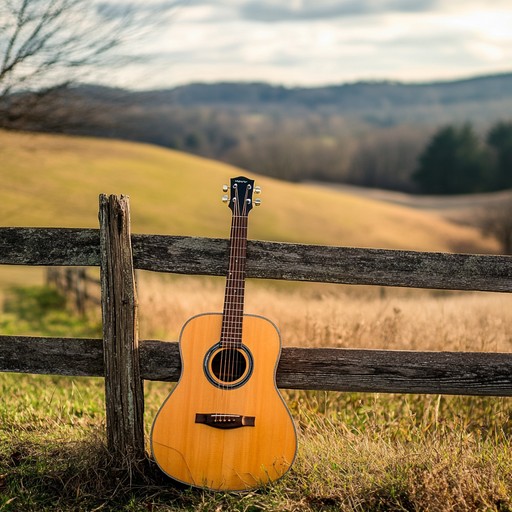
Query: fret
{"type": "Point", "coordinates": [231, 331]}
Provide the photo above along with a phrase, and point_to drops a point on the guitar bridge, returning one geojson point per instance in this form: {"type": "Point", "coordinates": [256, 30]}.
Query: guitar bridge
{"type": "Point", "coordinates": [225, 421]}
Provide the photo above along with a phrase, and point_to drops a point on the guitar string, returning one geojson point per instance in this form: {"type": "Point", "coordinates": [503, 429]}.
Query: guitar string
{"type": "Point", "coordinates": [222, 340]}
{"type": "Point", "coordinates": [234, 294]}
{"type": "Point", "coordinates": [225, 318]}
{"type": "Point", "coordinates": [234, 319]}
{"type": "Point", "coordinates": [228, 301]}
{"type": "Point", "coordinates": [241, 235]}
{"type": "Point", "coordinates": [229, 298]}
{"type": "Point", "coordinates": [230, 284]}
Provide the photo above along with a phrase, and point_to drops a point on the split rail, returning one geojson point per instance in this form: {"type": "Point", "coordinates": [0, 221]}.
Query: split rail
{"type": "Point", "coordinates": [125, 361]}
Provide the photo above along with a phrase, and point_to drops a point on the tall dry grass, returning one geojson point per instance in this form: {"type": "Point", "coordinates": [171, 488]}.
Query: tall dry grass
{"type": "Point", "coordinates": [362, 451]}
{"type": "Point", "coordinates": [341, 316]}
{"type": "Point", "coordinates": [357, 451]}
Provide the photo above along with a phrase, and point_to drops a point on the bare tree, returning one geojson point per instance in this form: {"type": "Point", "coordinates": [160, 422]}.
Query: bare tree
{"type": "Point", "coordinates": [47, 44]}
{"type": "Point", "coordinates": [496, 221]}
{"type": "Point", "coordinates": [386, 157]}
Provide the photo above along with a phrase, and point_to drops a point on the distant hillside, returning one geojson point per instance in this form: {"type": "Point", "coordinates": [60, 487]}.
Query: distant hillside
{"type": "Point", "coordinates": [477, 99]}
{"type": "Point", "coordinates": [366, 133]}
{"type": "Point", "coordinates": [351, 97]}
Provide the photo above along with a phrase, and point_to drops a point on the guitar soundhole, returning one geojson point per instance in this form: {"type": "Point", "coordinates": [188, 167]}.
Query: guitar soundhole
{"type": "Point", "coordinates": [228, 367]}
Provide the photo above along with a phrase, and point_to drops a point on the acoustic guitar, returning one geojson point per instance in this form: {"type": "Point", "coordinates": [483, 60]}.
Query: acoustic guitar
{"type": "Point", "coordinates": [225, 426]}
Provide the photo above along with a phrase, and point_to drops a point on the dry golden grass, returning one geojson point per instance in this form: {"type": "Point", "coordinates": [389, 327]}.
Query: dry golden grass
{"type": "Point", "coordinates": [54, 180]}
{"type": "Point", "coordinates": [357, 451]}
{"type": "Point", "coordinates": [361, 452]}
{"type": "Point", "coordinates": [341, 316]}
{"type": "Point", "coordinates": [433, 467]}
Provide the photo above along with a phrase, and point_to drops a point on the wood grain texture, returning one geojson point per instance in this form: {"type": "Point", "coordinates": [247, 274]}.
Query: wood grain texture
{"type": "Point", "coordinates": [124, 395]}
{"type": "Point", "coordinates": [57, 356]}
{"type": "Point", "coordinates": [49, 246]}
{"type": "Point", "coordinates": [335, 369]}
{"type": "Point", "coordinates": [219, 459]}
{"type": "Point", "coordinates": [267, 260]}
{"type": "Point", "coordinates": [390, 371]}
{"type": "Point", "coordinates": [344, 265]}
{"type": "Point", "coordinates": [384, 371]}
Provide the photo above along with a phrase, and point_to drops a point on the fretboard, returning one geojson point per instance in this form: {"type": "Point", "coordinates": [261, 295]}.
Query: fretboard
{"type": "Point", "coordinates": [231, 333]}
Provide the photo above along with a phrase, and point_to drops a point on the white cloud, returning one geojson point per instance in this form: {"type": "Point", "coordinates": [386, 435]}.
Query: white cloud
{"type": "Point", "coordinates": [327, 41]}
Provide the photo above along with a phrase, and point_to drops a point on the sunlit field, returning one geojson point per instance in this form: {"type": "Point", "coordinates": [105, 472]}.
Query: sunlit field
{"type": "Point", "coordinates": [357, 451]}
{"type": "Point", "coordinates": [310, 314]}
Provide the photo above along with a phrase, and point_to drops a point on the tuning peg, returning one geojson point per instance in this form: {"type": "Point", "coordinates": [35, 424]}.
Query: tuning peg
{"type": "Point", "coordinates": [257, 190]}
{"type": "Point", "coordinates": [225, 188]}
{"type": "Point", "coordinates": [225, 199]}
{"type": "Point", "coordinates": [257, 202]}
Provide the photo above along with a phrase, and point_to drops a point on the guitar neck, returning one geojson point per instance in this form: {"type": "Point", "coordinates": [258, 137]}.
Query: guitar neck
{"type": "Point", "coordinates": [231, 332]}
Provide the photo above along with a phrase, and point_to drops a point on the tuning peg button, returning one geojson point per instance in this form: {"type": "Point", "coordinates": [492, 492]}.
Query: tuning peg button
{"type": "Point", "coordinates": [225, 188]}
{"type": "Point", "coordinates": [257, 190]}
{"type": "Point", "coordinates": [225, 199]}
{"type": "Point", "coordinates": [257, 202]}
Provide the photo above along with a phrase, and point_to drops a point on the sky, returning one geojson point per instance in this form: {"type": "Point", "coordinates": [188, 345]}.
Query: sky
{"type": "Point", "coordinates": [319, 42]}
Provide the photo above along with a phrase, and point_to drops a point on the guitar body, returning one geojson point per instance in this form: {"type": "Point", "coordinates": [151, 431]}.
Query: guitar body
{"type": "Point", "coordinates": [225, 426]}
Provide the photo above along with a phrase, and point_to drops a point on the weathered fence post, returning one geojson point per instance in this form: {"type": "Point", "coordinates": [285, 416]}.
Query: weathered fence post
{"type": "Point", "coordinates": [80, 291]}
{"type": "Point", "coordinates": [123, 385]}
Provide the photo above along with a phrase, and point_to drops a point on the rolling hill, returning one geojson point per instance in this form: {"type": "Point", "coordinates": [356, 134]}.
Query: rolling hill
{"type": "Point", "coordinates": [330, 133]}
{"type": "Point", "coordinates": [359, 98]}
{"type": "Point", "coordinates": [382, 101]}
{"type": "Point", "coordinates": [55, 180]}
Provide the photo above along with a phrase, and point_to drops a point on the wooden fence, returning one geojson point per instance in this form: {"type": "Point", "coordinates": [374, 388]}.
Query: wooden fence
{"type": "Point", "coordinates": [125, 362]}
{"type": "Point", "coordinates": [80, 290]}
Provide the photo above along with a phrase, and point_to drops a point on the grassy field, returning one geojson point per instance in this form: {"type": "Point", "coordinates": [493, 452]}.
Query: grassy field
{"type": "Point", "coordinates": [52, 180]}
{"type": "Point", "coordinates": [357, 452]}
{"type": "Point", "coordinates": [311, 314]}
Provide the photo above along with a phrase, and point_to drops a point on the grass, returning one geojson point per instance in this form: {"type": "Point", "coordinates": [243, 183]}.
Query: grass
{"type": "Point", "coordinates": [54, 180]}
{"type": "Point", "coordinates": [342, 316]}
{"type": "Point", "coordinates": [37, 310]}
{"type": "Point", "coordinates": [357, 451]}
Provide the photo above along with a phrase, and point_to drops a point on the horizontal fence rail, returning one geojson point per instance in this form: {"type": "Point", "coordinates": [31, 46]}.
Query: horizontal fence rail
{"type": "Point", "coordinates": [124, 361]}
{"type": "Point", "coordinates": [267, 260]}
{"type": "Point", "coordinates": [334, 369]}
{"type": "Point", "coordinates": [80, 290]}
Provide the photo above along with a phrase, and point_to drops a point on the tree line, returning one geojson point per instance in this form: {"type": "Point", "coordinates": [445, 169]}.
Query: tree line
{"type": "Point", "coordinates": [296, 145]}
{"type": "Point", "coordinates": [457, 160]}
{"type": "Point", "coordinates": [331, 134]}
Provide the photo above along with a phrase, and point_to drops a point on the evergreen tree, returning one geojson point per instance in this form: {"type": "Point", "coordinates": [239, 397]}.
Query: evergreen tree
{"type": "Point", "coordinates": [499, 139]}
{"type": "Point", "coordinates": [453, 162]}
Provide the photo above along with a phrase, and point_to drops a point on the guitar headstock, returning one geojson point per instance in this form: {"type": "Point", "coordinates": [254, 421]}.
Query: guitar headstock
{"type": "Point", "coordinates": [241, 191]}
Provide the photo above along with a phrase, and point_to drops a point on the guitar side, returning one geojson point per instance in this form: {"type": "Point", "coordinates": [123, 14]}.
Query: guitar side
{"type": "Point", "coordinates": [261, 444]}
